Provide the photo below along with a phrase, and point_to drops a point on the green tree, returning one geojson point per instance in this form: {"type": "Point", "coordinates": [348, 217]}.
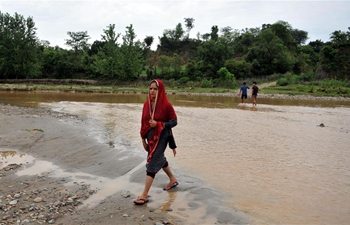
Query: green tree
{"type": "Point", "coordinates": [230, 34]}
{"type": "Point", "coordinates": [212, 55]}
{"type": "Point", "coordinates": [78, 40]}
{"type": "Point", "coordinates": [240, 68]}
{"type": "Point", "coordinates": [205, 36]}
{"type": "Point", "coordinates": [176, 64]}
{"type": "Point", "coordinates": [132, 56]}
{"type": "Point", "coordinates": [327, 63]}
{"type": "Point", "coordinates": [192, 70]}
{"type": "Point", "coordinates": [304, 60]}
{"type": "Point", "coordinates": [20, 50]}
{"type": "Point", "coordinates": [299, 36]}
{"type": "Point", "coordinates": [95, 47]}
{"type": "Point", "coordinates": [148, 41]}
{"type": "Point", "coordinates": [110, 36]}
{"type": "Point", "coordinates": [339, 37]}
{"type": "Point", "coordinates": [164, 64]}
{"type": "Point", "coordinates": [283, 30]}
{"type": "Point", "coordinates": [335, 57]}
{"type": "Point", "coordinates": [214, 35]}
{"type": "Point", "coordinates": [109, 59]}
{"type": "Point", "coordinates": [269, 55]}
{"type": "Point", "coordinates": [243, 43]}
{"type": "Point", "coordinates": [189, 23]}
{"type": "Point", "coordinates": [79, 43]}
{"type": "Point", "coordinates": [226, 78]}
{"type": "Point", "coordinates": [57, 64]}
{"type": "Point", "coordinates": [316, 45]}
{"type": "Point", "coordinates": [179, 32]}
{"type": "Point", "coordinates": [170, 42]}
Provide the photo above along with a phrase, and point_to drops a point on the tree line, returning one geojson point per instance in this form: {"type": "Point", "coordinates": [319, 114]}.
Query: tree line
{"type": "Point", "coordinates": [218, 57]}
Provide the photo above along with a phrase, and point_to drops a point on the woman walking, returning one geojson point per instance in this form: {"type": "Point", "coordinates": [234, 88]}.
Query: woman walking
{"type": "Point", "coordinates": [158, 117]}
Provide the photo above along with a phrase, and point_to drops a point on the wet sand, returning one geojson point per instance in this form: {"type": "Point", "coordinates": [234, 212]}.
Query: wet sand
{"type": "Point", "coordinates": [275, 163]}
{"type": "Point", "coordinates": [86, 170]}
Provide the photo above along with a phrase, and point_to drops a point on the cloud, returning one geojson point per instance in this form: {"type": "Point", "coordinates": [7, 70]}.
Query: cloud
{"type": "Point", "coordinates": [150, 18]}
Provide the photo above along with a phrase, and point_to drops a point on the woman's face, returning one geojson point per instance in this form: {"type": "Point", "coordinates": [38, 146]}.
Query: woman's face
{"type": "Point", "coordinates": [153, 89]}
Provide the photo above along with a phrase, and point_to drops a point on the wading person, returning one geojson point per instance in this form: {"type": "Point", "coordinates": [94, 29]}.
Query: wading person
{"type": "Point", "coordinates": [243, 92]}
{"type": "Point", "coordinates": [255, 91]}
{"type": "Point", "coordinates": [158, 117]}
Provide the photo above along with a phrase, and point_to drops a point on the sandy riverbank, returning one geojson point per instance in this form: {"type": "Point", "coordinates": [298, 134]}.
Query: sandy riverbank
{"type": "Point", "coordinates": [53, 170]}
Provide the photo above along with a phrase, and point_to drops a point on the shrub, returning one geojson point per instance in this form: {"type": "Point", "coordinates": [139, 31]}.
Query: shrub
{"type": "Point", "coordinates": [295, 79]}
{"type": "Point", "coordinates": [283, 81]}
{"type": "Point", "coordinates": [183, 80]}
{"type": "Point", "coordinates": [333, 83]}
{"type": "Point", "coordinates": [347, 84]}
{"type": "Point", "coordinates": [226, 78]}
{"type": "Point", "coordinates": [206, 83]}
{"type": "Point", "coordinates": [306, 76]}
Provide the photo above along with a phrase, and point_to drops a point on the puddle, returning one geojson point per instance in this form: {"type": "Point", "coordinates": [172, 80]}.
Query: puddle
{"type": "Point", "coordinates": [168, 202]}
{"type": "Point", "coordinates": [105, 186]}
{"type": "Point", "coordinates": [33, 167]}
{"type": "Point", "coordinates": [11, 156]}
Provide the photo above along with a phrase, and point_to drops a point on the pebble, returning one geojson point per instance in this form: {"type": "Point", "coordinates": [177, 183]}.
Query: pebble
{"type": "Point", "coordinates": [18, 211]}
{"type": "Point", "coordinates": [14, 202]}
{"type": "Point", "coordinates": [17, 196]}
{"type": "Point", "coordinates": [38, 199]}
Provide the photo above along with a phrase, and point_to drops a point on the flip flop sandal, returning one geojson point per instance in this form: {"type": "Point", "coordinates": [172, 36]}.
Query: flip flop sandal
{"type": "Point", "coordinates": [140, 199]}
{"type": "Point", "coordinates": [170, 186]}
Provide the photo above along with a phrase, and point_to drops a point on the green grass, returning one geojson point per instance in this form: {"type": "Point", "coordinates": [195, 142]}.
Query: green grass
{"type": "Point", "coordinates": [313, 90]}
{"type": "Point", "coordinates": [33, 130]}
{"type": "Point", "coordinates": [159, 70]}
{"type": "Point", "coordinates": [71, 88]}
{"type": "Point", "coordinates": [174, 87]}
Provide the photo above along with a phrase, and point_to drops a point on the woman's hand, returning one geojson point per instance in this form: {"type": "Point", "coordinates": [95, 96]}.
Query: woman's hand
{"type": "Point", "coordinates": [174, 152]}
{"type": "Point", "coordinates": [152, 123]}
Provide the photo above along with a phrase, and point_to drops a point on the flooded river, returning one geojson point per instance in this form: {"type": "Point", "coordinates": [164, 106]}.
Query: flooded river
{"type": "Point", "coordinates": [276, 162]}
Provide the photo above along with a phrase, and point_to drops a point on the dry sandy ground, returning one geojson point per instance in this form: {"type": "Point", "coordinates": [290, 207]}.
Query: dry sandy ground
{"type": "Point", "coordinates": [61, 139]}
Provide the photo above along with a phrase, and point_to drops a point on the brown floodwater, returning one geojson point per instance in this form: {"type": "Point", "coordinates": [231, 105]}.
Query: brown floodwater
{"type": "Point", "coordinates": [35, 98]}
{"type": "Point", "coordinates": [274, 162]}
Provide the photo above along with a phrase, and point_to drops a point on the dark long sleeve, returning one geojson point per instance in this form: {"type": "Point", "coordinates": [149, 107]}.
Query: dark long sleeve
{"type": "Point", "coordinates": [171, 123]}
{"type": "Point", "coordinates": [172, 143]}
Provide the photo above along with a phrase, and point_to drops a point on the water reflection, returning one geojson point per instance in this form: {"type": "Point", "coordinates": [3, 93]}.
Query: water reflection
{"type": "Point", "coordinates": [6, 154]}
{"type": "Point", "coordinates": [171, 199]}
{"type": "Point", "coordinates": [34, 98]}
{"type": "Point", "coordinates": [11, 156]}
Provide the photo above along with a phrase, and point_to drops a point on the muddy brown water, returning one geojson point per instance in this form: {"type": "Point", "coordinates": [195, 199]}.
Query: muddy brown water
{"type": "Point", "coordinates": [35, 98]}
{"type": "Point", "coordinates": [274, 162]}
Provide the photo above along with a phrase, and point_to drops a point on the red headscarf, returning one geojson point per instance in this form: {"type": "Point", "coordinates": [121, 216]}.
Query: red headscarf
{"type": "Point", "coordinates": [163, 112]}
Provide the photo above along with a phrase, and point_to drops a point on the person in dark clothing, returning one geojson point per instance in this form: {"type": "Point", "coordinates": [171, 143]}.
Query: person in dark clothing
{"type": "Point", "coordinates": [243, 92]}
{"type": "Point", "coordinates": [255, 91]}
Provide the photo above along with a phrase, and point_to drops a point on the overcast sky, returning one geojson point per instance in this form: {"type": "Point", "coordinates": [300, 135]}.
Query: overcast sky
{"type": "Point", "coordinates": [53, 18]}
